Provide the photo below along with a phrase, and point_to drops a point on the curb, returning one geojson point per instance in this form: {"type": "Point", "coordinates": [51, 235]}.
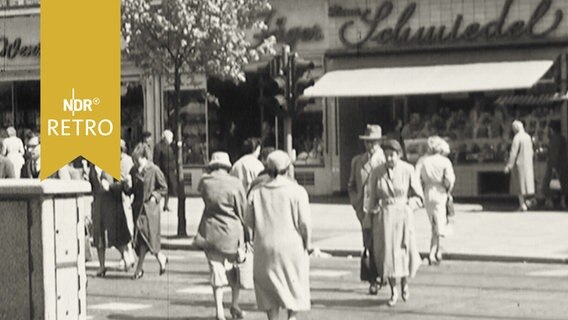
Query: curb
{"type": "Point", "coordinates": [447, 256]}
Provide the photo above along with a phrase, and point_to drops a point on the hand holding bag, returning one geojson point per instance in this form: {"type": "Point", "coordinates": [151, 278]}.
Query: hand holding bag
{"type": "Point", "coordinates": [244, 266]}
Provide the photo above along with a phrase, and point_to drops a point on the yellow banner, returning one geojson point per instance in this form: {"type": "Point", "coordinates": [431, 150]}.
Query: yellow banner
{"type": "Point", "coordinates": [80, 84]}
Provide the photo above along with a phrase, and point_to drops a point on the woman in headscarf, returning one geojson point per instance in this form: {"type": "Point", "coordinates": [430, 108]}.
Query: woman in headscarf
{"type": "Point", "coordinates": [221, 229]}
{"type": "Point", "coordinates": [394, 192]}
{"type": "Point", "coordinates": [148, 185]}
{"type": "Point", "coordinates": [521, 165]}
{"type": "Point", "coordinates": [279, 216]}
{"type": "Point", "coordinates": [437, 175]}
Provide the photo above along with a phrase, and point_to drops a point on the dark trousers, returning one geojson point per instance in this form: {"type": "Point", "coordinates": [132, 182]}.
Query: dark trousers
{"type": "Point", "coordinates": [369, 274]}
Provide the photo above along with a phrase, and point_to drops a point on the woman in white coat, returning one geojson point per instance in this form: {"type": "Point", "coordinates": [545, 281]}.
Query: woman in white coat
{"type": "Point", "coordinates": [279, 216]}
{"type": "Point", "coordinates": [521, 164]}
{"type": "Point", "coordinates": [437, 175]}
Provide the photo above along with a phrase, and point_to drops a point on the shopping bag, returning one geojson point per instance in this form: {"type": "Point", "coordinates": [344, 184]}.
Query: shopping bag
{"type": "Point", "coordinates": [450, 210]}
{"type": "Point", "coordinates": [244, 266]}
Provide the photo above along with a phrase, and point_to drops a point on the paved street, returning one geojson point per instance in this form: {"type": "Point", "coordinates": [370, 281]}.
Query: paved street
{"type": "Point", "coordinates": [454, 290]}
{"type": "Point", "coordinates": [480, 232]}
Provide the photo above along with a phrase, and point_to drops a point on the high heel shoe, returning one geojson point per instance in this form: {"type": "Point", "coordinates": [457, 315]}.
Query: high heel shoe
{"type": "Point", "coordinates": [138, 275]}
{"type": "Point", "coordinates": [101, 273]}
{"type": "Point", "coordinates": [237, 313]}
{"type": "Point", "coordinates": [163, 268]}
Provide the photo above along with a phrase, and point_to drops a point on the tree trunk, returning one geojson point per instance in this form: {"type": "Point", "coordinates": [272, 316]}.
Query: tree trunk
{"type": "Point", "coordinates": [182, 224]}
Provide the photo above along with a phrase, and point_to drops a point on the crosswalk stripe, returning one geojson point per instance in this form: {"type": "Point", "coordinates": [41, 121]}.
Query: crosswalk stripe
{"type": "Point", "coordinates": [549, 273]}
{"type": "Point", "coordinates": [197, 290]}
{"type": "Point", "coordinates": [328, 273]}
{"type": "Point", "coordinates": [119, 306]}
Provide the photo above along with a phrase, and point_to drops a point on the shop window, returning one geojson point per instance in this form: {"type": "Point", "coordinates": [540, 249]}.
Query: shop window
{"type": "Point", "coordinates": [131, 112]}
{"type": "Point", "coordinates": [18, 3]}
{"type": "Point", "coordinates": [308, 136]}
{"type": "Point", "coordinates": [478, 127]}
{"type": "Point", "coordinates": [200, 125]}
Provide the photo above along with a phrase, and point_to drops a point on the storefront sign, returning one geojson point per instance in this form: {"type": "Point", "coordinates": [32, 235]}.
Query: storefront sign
{"type": "Point", "coordinates": [540, 24]}
{"type": "Point", "coordinates": [278, 27]}
{"type": "Point", "coordinates": [14, 48]}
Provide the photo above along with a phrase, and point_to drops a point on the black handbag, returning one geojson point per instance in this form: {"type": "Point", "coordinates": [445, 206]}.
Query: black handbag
{"type": "Point", "coordinates": [366, 274]}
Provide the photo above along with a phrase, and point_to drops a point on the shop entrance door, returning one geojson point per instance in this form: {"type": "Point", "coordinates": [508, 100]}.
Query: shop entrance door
{"type": "Point", "coordinates": [354, 115]}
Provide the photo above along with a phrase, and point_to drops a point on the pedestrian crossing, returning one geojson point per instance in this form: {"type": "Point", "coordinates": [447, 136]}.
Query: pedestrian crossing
{"type": "Point", "coordinates": [120, 306]}
{"type": "Point", "coordinates": [549, 273]}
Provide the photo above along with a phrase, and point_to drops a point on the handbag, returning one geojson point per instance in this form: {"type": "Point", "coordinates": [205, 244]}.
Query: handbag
{"type": "Point", "coordinates": [244, 266]}
{"type": "Point", "coordinates": [365, 273]}
{"type": "Point", "coordinates": [450, 210]}
{"type": "Point", "coordinates": [554, 184]}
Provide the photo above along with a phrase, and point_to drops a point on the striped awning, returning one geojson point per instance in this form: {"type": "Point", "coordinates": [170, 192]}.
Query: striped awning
{"type": "Point", "coordinates": [530, 99]}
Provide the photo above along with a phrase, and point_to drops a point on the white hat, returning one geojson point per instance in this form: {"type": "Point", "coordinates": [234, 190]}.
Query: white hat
{"type": "Point", "coordinates": [278, 160]}
{"type": "Point", "coordinates": [221, 159]}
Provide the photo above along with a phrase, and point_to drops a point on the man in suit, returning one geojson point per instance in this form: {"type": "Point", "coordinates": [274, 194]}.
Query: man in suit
{"type": "Point", "coordinates": [361, 167]}
{"type": "Point", "coordinates": [165, 159]}
{"type": "Point", "coordinates": [32, 166]}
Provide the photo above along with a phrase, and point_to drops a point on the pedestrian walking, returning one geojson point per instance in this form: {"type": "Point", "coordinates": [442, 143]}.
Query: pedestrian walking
{"type": "Point", "coordinates": [361, 167]}
{"type": "Point", "coordinates": [6, 166]}
{"type": "Point", "coordinates": [279, 216]}
{"type": "Point", "coordinates": [437, 176]}
{"type": "Point", "coordinates": [147, 144]}
{"type": "Point", "coordinates": [148, 185]}
{"type": "Point", "coordinates": [14, 148]}
{"type": "Point", "coordinates": [32, 165]}
{"type": "Point", "coordinates": [263, 176]}
{"type": "Point", "coordinates": [126, 165]}
{"type": "Point", "coordinates": [395, 192]}
{"type": "Point", "coordinates": [248, 166]}
{"type": "Point", "coordinates": [221, 229]}
{"type": "Point", "coordinates": [520, 164]}
{"type": "Point", "coordinates": [556, 163]}
{"type": "Point", "coordinates": [165, 159]}
{"type": "Point", "coordinates": [109, 221]}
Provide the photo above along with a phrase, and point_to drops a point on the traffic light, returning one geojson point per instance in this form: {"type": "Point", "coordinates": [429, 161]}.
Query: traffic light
{"type": "Point", "coordinates": [275, 88]}
{"type": "Point", "coordinates": [301, 79]}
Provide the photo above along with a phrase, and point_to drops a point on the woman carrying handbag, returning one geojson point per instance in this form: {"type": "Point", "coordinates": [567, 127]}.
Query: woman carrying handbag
{"type": "Point", "coordinates": [220, 232]}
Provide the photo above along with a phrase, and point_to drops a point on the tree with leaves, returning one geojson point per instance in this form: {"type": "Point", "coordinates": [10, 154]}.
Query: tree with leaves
{"type": "Point", "coordinates": [177, 37]}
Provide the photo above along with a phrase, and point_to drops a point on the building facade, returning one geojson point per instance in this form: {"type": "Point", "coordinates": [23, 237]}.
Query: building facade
{"type": "Point", "coordinates": [398, 41]}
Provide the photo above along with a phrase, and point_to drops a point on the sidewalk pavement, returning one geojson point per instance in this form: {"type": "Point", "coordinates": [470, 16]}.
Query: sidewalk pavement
{"type": "Point", "coordinates": [536, 236]}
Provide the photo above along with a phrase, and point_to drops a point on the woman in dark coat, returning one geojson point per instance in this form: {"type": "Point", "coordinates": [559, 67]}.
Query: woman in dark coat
{"type": "Point", "coordinates": [221, 229]}
{"type": "Point", "coordinates": [109, 221]}
{"type": "Point", "coordinates": [148, 185]}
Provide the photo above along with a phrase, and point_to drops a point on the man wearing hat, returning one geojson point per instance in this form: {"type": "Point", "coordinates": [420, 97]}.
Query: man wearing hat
{"type": "Point", "coordinates": [361, 167]}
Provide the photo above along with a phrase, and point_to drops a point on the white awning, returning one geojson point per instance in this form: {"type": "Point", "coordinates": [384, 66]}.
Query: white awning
{"type": "Point", "coordinates": [430, 79]}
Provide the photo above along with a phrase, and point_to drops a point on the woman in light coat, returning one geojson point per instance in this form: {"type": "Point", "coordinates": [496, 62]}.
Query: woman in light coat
{"type": "Point", "coordinates": [221, 229]}
{"type": "Point", "coordinates": [521, 165]}
{"type": "Point", "coordinates": [437, 175]}
{"type": "Point", "coordinates": [394, 192]}
{"type": "Point", "coordinates": [279, 216]}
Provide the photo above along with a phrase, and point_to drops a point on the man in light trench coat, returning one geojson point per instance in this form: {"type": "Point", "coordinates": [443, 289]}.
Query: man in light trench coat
{"type": "Point", "coordinates": [361, 167]}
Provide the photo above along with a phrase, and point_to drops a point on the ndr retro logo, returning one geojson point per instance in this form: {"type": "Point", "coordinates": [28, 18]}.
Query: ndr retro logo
{"type": "Point", "coordinates": [79, 127]}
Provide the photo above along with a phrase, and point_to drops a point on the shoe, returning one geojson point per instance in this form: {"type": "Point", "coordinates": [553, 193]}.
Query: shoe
{"type": "Point", "coordinates": [101, 273]}
{"type": "Point", "coordinates": [405, 293]}
{"type": "Point", "coordinates": [373, 289]}
{"type": "Point", "coordinates": [237, 313]}
{"type": "Point", "coordinates": [166, 209]}
{"type": "Point", "coordinates": [163, 267]}
{"type": "Point", "coordinates": [138, 275]}
{"type": "Point", "coordinates": [394, 298]}
{"type": "Point", "coordinates": [433, 261]}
